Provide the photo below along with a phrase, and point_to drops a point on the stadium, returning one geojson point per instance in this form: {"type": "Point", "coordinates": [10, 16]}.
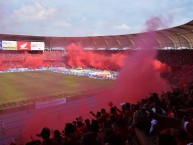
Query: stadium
{"type": "Point", "coordinates": [51, 81]}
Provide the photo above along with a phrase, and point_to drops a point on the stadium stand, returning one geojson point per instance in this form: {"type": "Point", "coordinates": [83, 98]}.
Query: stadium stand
{"type": "Point", "coordinates": [164, 119]}
{"type": "Point", "coordinates": [17, 59]}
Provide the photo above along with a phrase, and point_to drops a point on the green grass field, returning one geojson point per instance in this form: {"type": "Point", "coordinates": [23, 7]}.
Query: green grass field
{"type": "Point", "coordinates": [28, 85]}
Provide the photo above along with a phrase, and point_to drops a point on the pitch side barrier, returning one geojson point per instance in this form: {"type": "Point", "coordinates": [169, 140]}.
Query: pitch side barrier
{"type": "Point", "coordinates": [91, 73]}
{"type": "Point", "coordinates": [23, 70]}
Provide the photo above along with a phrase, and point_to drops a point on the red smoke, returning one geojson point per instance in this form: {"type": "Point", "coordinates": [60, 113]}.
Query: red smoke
{"type": "Point", "coordinates": [0, 61]}
{"type": "Point", "coordinates": [32, 61]}
{"type": "Point", "coordinates": [88, 59]}
{"type": "Point", "coordinates": [161, 67]}
{"type": "Point", "coordinates": [2, 67]}
{"type": "Point", "coordinates": [138, 77]}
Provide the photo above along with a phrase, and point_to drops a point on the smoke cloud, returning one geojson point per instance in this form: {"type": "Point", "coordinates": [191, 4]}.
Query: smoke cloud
{"type": "Point", "coordinates": [78, 57]}
{"type": "Point", "coordinates": [32, 61]}
{"type": "Point", "coordinates": [138, 77]}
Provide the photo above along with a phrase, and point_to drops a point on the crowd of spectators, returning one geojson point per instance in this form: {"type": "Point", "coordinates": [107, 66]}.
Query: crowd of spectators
{"type": "Point", "coordinates": [156, 120]}
{"type": "Point", "coordinates": [175, 57]}
{"type": "Point", "coordinates": [17, 59]}
{"type": "Point", "coordinates": [181, 64]}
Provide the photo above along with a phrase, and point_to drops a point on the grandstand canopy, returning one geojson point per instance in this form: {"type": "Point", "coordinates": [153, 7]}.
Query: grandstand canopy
{"type": "Point", "coordinates": [180, 37]}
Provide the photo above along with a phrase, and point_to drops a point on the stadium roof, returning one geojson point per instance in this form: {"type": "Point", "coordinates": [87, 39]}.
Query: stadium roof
{"type": "Point", "coordinates": [179, 37]}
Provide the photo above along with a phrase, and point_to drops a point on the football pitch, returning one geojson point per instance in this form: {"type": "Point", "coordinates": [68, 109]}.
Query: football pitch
{"type": "Point", "coordinates": [20, 86]}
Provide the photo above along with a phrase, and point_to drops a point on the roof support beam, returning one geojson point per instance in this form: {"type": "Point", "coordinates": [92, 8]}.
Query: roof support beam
{"type": "Point", "coordinates": [132, 42]}
{"type": "Point", "coordinates": [93, 42]}
{"type": "Point", "coordinates": [167, 37]}
{"type": "Point", "coordinates": [189, 42]}
{"type": "Point", "coordinates": [117, 41]}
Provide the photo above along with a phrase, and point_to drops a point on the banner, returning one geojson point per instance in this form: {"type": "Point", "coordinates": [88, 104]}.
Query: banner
{"type": "Point", "coordinates": [50, 103]}
{"type": "Point", "coordinates": [9, 45]}
{"type": "Point", "coordinates": [37, 46]}
{"type": "Point", "coordinates": [0, 44]}
{"type": "Point", "coordinates": [23, 45]}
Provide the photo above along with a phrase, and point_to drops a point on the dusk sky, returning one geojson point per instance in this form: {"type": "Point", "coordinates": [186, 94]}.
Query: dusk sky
{"type": "Point", "coordinates": [89, 17]}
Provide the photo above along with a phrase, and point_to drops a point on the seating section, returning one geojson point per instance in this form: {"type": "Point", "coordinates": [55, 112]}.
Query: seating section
{"type": "Point", "coordinates": [17, 59]}
{"type": "Point", "coordinates": [156, 120]}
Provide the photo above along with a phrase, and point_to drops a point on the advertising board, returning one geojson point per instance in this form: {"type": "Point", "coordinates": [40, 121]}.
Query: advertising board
{"type": "Point", "coordinates": [23, 45]}
{"type": "Point", "coordinates": [9, 45]}
{"type": "Point", "coordinates": [37, 46]}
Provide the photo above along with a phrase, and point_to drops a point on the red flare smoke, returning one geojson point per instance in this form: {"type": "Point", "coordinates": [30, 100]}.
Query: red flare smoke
{"type": "Point", "coordinates": [161, 67]}
{"type": "Point", "coordinates": [32, 61]}
{"type": "Point", "coordinates": [138, 77]}
{"type": "Point", "coordinates": [88, 59]}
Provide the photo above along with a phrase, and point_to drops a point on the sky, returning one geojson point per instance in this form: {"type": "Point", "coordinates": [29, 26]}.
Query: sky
{"type": "Point", "coordinates": [89, 17]}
